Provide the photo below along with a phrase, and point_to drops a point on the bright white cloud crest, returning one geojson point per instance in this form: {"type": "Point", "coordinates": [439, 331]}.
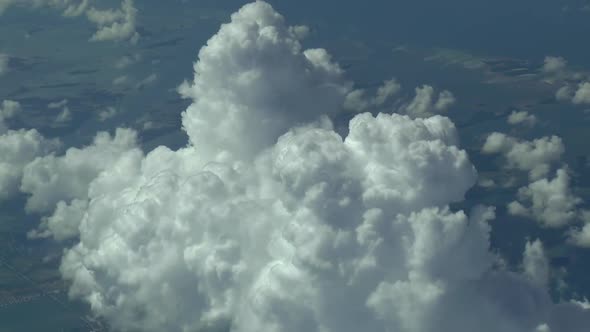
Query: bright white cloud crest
{"type": "Point", "coordinates": [269, 220]}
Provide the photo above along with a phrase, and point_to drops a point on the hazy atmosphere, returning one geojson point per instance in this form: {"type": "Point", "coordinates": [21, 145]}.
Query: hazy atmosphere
{"type": "Point", "coordinates": [294, 166]}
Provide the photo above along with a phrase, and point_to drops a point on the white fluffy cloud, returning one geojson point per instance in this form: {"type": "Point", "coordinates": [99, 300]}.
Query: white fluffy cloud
{"type": "Point", "coordinates": [8, 108]}
{"type": "Point", "coordinates": [553, 64]}
{"type": "Point", "coordinates": [269, 220]}
{"type": "Point", "coordinates": [52, 178]}
{"type": "Point", "coordinates": [17, 149]}
{"type": "Point", "coordinates": [534, 156]}
{"type": "Point", "coordinates": [116, 24]}
{"type": "Point", "coordinates": [582, 94]}
{"type": "Point", "coordinates": [575, 94]}
{"type": "Point", "coordinates": [357, 101]}
{"type": "Point", "coordinates": [112, 24]}
{"type": "Point", "coordinates": [522, 117]}
{"type": "Point", "coordinates": [426, 103]}
{"type": "Point", "coordinates": [551, 202]}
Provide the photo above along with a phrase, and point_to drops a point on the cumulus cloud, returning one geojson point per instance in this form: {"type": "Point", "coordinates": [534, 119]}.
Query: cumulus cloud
{"type": "Point", "coordinates": [426, 102]}
{"type": "Point", "coordinates": [107, 113]}
{"type": "Point", "coordinates": [581, 236]}
{"type": "Point", "coordinates": [582, 94]}
{"type": "Point", "coordinates": [51, 179]}
{"type": "Point", "coordinates": [522, 117]}
{"type": "Point", "coordinates": [116, 24]}
{"type": "Point", "coordinates": [357, 101]}
{"type": "Point", "coordinates": [550, 202]}
{"type": "Point", "coordinates": [565, 93]}
{"type": "Point", "coordinates": [553, 64]}
{"type": "Point", "coordinates": [112, 24]}
{"type": "Point", "coordinates": [17, 149]}
{"type": "Point", "coordinates": [8, 109]}
{"type": "Point", "coordinates": [578, 95]}
{"type": "Point", "coordinates": [534, 156]}
{"type": "Point", "coordinates": [269, 220]}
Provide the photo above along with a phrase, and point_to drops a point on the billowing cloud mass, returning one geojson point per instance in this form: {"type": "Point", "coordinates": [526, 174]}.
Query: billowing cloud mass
{"type": "Point", "coordinates": [112, 24]}
{"type": "Point", "coordinates": [51, 179]}
{"type": "Point", "coordinates": [551, 202]}
{"type": "Point", "coordinates": [17, 149]}
{"type": "Point", "coordinates": [269, 220]}
{"type": "Point", "coordinates": [534, 156]}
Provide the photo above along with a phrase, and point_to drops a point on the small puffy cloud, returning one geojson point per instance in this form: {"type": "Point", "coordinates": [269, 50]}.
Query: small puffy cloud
{"type": "Point", "coordinates": [107, 113]}
{"type": "Point", "coordinates": [565, 93]}
{"type": "Point", "coordinates": [550, 202]}
{"type": "Point", "coordinates": [582, 94]}
{"type": "Point", "coordinates": [4, 59]}
{"type": "Point", "coordinates": [387, 90]}
{"type": "Point", "coordinates": [127, 60]}
{"type": "Point", "coordinates": [426, 102]}
{"type": "Point", "coordinates": [575, 94]}
{"type": "Point", "coordinates": [522, 117]}
{"type": "Point", "coordinates": [112, 24]}
{"type": "Point", "coordinates": [8, 109]}
{"type": "Point", "coordinates": [534, 156]}
{"type": "Point", "coordinates": [553, 64]}
{"type": "Point", "coordinates": [357, 101]}
{"type": "Point", "coordinates": [116, 24]}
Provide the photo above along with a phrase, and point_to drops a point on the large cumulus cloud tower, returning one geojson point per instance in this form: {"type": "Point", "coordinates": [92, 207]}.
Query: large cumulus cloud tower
{"type": "Point", "coordinates": [269, 220]}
